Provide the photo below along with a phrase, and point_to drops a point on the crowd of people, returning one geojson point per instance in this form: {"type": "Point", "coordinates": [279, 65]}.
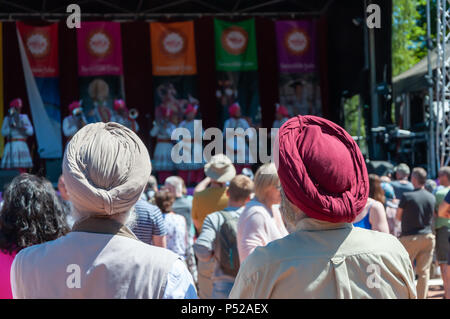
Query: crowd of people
{"type": "Point", "coordinates": [314, 224]}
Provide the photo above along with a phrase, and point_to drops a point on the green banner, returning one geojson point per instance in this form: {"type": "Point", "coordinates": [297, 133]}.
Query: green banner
{"type": "Point", "coordinates": [235, 45]}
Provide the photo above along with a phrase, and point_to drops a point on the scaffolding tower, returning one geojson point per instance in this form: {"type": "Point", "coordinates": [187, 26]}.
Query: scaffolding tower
{"type": "Point", "coordinates": [442, 85]}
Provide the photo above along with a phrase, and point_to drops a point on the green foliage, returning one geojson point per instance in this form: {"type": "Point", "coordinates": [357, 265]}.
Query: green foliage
{"type": "Point", "coordinates": [408, 34]}
{"type": "Point", "coordinates": [351, 112]}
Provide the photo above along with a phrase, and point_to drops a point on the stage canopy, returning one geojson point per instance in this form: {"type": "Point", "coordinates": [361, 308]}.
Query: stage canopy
{"type": "Point", "coordinates": [147, 9]}
{"type": "Point", "coordinates": [415, 79]}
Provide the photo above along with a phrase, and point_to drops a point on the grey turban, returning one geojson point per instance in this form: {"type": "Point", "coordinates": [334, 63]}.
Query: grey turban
{"type": "Point", "coordinates": [106, 168]}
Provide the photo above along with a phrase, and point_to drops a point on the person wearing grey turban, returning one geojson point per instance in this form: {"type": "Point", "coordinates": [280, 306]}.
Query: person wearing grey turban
{"type": "Point", "coordinates": [106, 168]}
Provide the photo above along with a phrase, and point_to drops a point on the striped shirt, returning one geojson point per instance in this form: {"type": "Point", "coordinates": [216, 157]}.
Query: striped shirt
{"type": "Point", "coordinates": [149, 222]}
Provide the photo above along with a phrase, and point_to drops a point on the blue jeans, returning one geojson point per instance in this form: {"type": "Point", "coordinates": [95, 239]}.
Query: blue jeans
{"type": "Point", "coordinates": [221, 289]}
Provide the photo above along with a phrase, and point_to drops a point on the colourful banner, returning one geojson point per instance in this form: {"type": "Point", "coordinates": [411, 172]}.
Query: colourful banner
{"type": "Point", "coordinates": [99, 49]}
{"type": "Point", "coordinates": [173, 48]}
{"type": "Point", "coordinates": [299, 88]}
{"type": "Point", "coordinates": [42, 91]}
{"type": "Point", "coordinates": [41, 46]}
{"type": "Point", "coordinates": [235, 45]}
{"type": "Point", "coordinates": [2, 141]}
{"type": "Point", "coordinates": [296, 46]}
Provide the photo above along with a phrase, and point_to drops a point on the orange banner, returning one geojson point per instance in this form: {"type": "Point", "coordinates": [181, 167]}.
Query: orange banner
{"type": "Point", "coordinates": [173, 48]}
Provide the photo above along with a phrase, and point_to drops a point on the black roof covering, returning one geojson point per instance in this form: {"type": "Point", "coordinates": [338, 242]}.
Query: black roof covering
{"type": "Point", "coordinates": [15, 9]}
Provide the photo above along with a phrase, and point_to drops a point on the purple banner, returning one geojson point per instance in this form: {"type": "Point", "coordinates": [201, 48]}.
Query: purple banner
{"type": "Point", "coordinates": [296, 45]}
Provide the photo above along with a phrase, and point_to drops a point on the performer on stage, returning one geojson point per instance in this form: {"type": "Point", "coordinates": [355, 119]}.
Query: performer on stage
{"type": "Point", "coordinates": [16, 128]}
{"type": "Point", "coordinates": [162, 128]}
{"type": "Point", "coordinates": [101, 112]}
{"type": "Point", "coordinates": [122, 116]}
{"type": "Point", "coordinates": [75, 121]}
{"type": "Point", "coordinates": [281, 116]}
{"type": "Point", "coordinates": [191, 173]}
{"type": "Point", "coordinates": [236, 121]}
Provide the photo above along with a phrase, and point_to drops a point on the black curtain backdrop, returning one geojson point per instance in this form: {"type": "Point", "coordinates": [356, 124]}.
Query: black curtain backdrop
{"type": "Point", "coordinates": [341, 58]}
{"type": "Point", "coordinates": [137, 66]}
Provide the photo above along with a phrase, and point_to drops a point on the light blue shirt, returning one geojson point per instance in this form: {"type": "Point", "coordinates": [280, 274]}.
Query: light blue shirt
{"type": "Point", "coordinates": [180, 284]}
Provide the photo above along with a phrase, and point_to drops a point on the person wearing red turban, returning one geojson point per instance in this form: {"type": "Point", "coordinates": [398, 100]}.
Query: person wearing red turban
{"type": "Point", "coordinates": [16, 128]}
{"type": "Point", "coordinates": [232, 150]}
{"type": "Point", "coordinates": [324, 186]}
{"type": "Point", "coordinates": [74, 121]}
{"type": "Point", "coordinates": [281, 116]}
{"type": "Point", "coordinates": [192, 173]}
{"type": "Point", "coordinates": [122, 116]}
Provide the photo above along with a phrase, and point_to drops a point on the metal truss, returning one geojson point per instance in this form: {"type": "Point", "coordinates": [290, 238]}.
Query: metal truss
{"type": "Point", "coordinates": [442, 84]}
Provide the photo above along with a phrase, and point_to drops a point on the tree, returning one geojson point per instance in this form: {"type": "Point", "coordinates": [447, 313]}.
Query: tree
{"type": "Point", "coordinates": [407, 33]}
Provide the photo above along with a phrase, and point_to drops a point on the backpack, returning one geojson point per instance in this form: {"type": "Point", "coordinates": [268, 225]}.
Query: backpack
{"type": "Point", "coordinates": [226, 245]}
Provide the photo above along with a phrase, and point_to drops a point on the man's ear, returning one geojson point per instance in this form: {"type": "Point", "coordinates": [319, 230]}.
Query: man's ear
{"type": "Point", "coordinates": [228, 192]}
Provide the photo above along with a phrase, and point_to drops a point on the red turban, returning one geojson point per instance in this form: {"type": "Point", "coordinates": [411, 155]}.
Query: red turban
{"type": "Point", "coordinates": [16, 103]}
{"type": "Point", "coordinates": [321, 169]}
{"type": "Point", "coordinates": [282, 110]}
{"type": "Point", "coordinates": [119, 104]}
{"type": "Point", "coordinates": [74, 105]}
{"type": "Point", "coordinates": [190, 108]}
{"type": "Point", "coordinates": [232, 110]}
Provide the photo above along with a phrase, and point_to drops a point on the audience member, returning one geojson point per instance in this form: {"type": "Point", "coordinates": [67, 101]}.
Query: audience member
{"type": "Point", "coordinates": [218, 237]}
{"type": "Point", "coordinates": [31, 214]}
{"type": "Point", "coordinates": [430, 185]}
{"type": "Point", "coordinates": [177, 234]}
{"type": "Point", "coordinates": [150, 190]}
{"type": "Point", "coordinates": [106, 168]}
{"type": "Point", "coordinates": [415, 211]}
{"type": "Point", "coordinates": [183, 206]}
{"type": "Point", "coordinates": [149, 225]}
{"type": "Point", "coordinates": [325, 186]}
{"type": "Point", "coordinates": [401, 184]}
{"type": "Point", "coordinates": [219, 170]}
{"type": "Point", "coordinates": [442, 227]}
{"type": "Point", "coordinates": [373, 215]}
{"type": "Point", "coordinates": [444, 212]}
{"type": "Point", "coordinates": [261, 222]}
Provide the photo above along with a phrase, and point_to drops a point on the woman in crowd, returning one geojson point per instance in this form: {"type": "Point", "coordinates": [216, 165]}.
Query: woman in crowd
{"type": "Point", "coordinates": [261, 222]}
{"type": "Point", "coordinates": [31, 214]}
{"type": "Point", "coordinates": [177, 235]}
{"type": "Point", "coordinates": [373, 215]}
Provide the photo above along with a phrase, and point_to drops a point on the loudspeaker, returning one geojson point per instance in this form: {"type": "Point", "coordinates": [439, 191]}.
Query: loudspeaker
{"type": "Point", "coordinates": [6, 176]}
{"type": "Point", "coordinates": [379, 167]}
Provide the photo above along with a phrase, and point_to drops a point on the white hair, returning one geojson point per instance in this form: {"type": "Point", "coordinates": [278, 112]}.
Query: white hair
{"type": "Point", "coordinates": [290, 213]}
{"type": "Point", "coordinates": [177, 183]}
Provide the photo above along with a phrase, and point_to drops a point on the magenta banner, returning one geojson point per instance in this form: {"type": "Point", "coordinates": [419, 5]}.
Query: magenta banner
{"type": "Point", "coordinates": [99, 49]}
{"type": "Point", "coordinates": [296, 45]}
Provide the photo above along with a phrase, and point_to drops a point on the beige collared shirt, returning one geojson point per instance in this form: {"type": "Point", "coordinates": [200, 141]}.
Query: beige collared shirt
{"type": "Point", "coordinates": [103, 259]}
{"type": "Point", "coordinates": [327, 260]}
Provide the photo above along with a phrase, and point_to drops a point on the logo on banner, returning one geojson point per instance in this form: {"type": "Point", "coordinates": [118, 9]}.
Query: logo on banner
{"type": "Point", "coordinates": [99, 43]}
{"type": "Point", "coordinates": [38, 44]}
{"type": "Point", "coordinates": [235, 40]}
{"type": "Point", "coordinates": [173, 43]}
{"type": "Point", "coordinates": [297, 41]}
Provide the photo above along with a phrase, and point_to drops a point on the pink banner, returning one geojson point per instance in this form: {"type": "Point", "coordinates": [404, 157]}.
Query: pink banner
{"type": "Point", "coordinates": [99, 49]}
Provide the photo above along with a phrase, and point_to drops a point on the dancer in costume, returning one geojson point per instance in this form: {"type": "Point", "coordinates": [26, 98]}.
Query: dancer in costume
{"type": "Point", "coordinates": [16, 129]}
{"type": "Point", "coordinates": [281, 116]}
{"type": "Point", "coordinates": [162, 128]}
{"type": "Point", "coordinates": [232, 147]}
{"type": "Point", "coordinates": [191, 173]}
{"type": "Point", "coordinates": [75, 121]}
{"type": "Point", "coordinates": [122, 116]}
